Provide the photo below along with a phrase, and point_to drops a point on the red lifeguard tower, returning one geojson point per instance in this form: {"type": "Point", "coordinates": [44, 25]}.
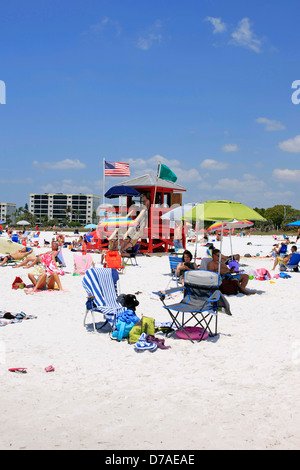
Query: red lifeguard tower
{"type": "Point", "coordinates": [153, 233]}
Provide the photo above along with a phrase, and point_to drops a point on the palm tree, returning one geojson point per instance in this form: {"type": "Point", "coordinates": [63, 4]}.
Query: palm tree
{"type": "Point", "coordinates": [77, 212]}
{"type": "Point", "coordinates": [68, 212]}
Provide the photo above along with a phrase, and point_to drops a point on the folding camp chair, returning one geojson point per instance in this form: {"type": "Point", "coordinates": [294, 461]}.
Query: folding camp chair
{"type": "Point", "coordinates": [101, 285]}
{"type": "Point", "coordinates": [204, 263]}
{"type": "Point", "coordinates": [292, 265]}
{"type": "Point", "coordinates": [131, 254]}
{"type": "Point", "coordinates": [200, 304]}
{"type": "Point", "coordinates": [283, 249]}
{"type": "Point", "coordinates": [174, 261]}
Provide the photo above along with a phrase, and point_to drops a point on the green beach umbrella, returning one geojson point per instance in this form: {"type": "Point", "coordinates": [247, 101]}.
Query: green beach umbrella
{"type": "Point", "coordinates": [222, 210]}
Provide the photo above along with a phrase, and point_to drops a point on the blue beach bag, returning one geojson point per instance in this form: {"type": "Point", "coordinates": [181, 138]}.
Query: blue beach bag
{"type": "Point", "coordinates": [124, 323]}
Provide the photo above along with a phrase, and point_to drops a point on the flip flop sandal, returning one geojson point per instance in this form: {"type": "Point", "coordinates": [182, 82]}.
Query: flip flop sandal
{"type": "Point", "coordinates": [20, 370]}
{"type": "Point", "coordinates": [49, 369]}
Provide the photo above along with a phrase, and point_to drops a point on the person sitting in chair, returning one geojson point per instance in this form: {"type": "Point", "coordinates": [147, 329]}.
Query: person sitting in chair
{"type": "Point", "coordinates": [285, 259]}
{"type": "Point", "coordinates": [126, 246]}
{"type": "Point", "coordinates": [186, 265]}
{"type": "Point", "coordinates": [228, 273]}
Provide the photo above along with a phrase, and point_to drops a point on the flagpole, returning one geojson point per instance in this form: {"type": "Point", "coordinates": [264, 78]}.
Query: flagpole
{"type": "Point", "coordinates": [157, 174]}
{"type": "Point", "coordinates": [103, 182]}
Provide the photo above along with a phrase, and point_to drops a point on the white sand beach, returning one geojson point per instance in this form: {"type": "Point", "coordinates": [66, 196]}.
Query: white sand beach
{"type": "Point", "coordinates": [238, 390]}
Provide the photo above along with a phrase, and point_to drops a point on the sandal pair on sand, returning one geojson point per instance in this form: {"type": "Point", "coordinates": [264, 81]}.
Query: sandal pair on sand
{"type": "Point", "coordinates": [23, 370]}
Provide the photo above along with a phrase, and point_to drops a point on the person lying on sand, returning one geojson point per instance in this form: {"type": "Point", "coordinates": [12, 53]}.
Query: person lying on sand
{"type": "Point", "coordinates": [227, 273]}
{"type": "Point", "coordinates": [31, 261]}
{"type": "Point", "coordinates": [18, 255]}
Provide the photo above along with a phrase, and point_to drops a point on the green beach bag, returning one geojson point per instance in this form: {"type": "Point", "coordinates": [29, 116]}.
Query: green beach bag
{"type": "Point", "coordinates": [145, 325]}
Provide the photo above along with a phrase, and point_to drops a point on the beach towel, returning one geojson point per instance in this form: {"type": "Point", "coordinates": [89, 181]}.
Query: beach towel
{"type": "Point", "coordinates": [7, 318]}
{"type": "Point", "coordinates": [101, 283]}
{"type": "Point", "coordinates": [159, 341]}
{"type": "Point", "coordinates": [50, 265]}
{"type": "Point", "coordinates": [125, 322]}
{"type": "Point", "coordinates": [82, 263]}
{"type": "Point", "coordinates": [262, 274]}
{"type": "Point", "coordinates": [38, 270]}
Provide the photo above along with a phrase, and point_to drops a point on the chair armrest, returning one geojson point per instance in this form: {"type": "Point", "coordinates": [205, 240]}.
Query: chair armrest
{"type": "Point", "coordinates": [163, 293]}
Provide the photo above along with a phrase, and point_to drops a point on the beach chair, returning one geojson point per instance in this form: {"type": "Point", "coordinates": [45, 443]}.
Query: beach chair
{"type": "Point", "coordinates": [34, 241]}
{"type": "Point", "coordinates": [101, 286]}
{"type": "Point", "coordinates": [113, 260]}
{"type": "Point", "coordinates": [60, 259]}
{"type": "Point", "coordinates": [292, 265]}
{"type": "Point", "coordinates": [204, 263]}
{"type": "Point", "coordinates": [283, 249]}
{"type": "Point", "coordinates": [199, 306]}
{"type": "Point", "coordinates": [131, 255]}
{"type": "Point", "coordinates": [174, 261]}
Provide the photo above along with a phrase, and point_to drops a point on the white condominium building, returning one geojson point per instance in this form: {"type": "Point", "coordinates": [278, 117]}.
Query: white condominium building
{"type": "Point", "coordinates": [7, 210]}
{"type": "Point", "coordinates": [64, 207]}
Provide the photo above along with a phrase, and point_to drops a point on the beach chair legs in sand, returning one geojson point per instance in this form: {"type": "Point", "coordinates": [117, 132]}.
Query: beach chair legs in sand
{"type": "Point", "coordinates": [181, 320]}
{"type": "Point", "coordinates": [94, 322]}
{"type": "Point", "coordinates": [199, 306]}
{"type": "Point", "coordinates": [174, 260]}
{"type": "Point", "coordinates": [91, 310]}
{"type": "Point", "coordinates": [101, 286]}
{"type": "Point", "coordinates": [132, 255]}
{"type": "Point", "coordinates": [205, 322]}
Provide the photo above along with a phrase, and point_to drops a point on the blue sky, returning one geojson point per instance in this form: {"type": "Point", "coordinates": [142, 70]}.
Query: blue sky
{"type": "Point", "coordinates": [202, 86]}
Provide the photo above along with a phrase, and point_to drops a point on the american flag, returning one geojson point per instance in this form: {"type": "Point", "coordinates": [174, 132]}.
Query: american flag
{"type": "Point", "coordinates": [116, 169]}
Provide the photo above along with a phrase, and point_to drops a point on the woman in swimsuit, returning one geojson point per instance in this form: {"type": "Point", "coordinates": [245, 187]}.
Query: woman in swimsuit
{"type": "Point", "coordinates": [45, 282]}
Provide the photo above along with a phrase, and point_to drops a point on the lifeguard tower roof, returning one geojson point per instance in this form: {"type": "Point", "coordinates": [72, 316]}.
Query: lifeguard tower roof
{"type": "Point", "coordinates": [151, 180]}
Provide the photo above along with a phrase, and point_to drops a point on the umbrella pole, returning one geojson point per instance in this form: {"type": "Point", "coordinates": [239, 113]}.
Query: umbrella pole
{"type": "Point", "coordinates": [196, 243]}
{"type": "Point", "coordinates": [220, 254]}
{"type": "Point", "coordinates": [230, 242]}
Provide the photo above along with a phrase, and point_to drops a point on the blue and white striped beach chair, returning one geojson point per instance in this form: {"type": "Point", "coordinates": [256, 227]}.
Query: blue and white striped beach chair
{"type": "Point", "coordinates": [101, 287]}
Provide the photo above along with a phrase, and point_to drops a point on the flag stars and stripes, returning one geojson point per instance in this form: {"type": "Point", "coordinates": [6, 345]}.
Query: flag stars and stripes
{"type": "Point", "coordinates": [116, 169]}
